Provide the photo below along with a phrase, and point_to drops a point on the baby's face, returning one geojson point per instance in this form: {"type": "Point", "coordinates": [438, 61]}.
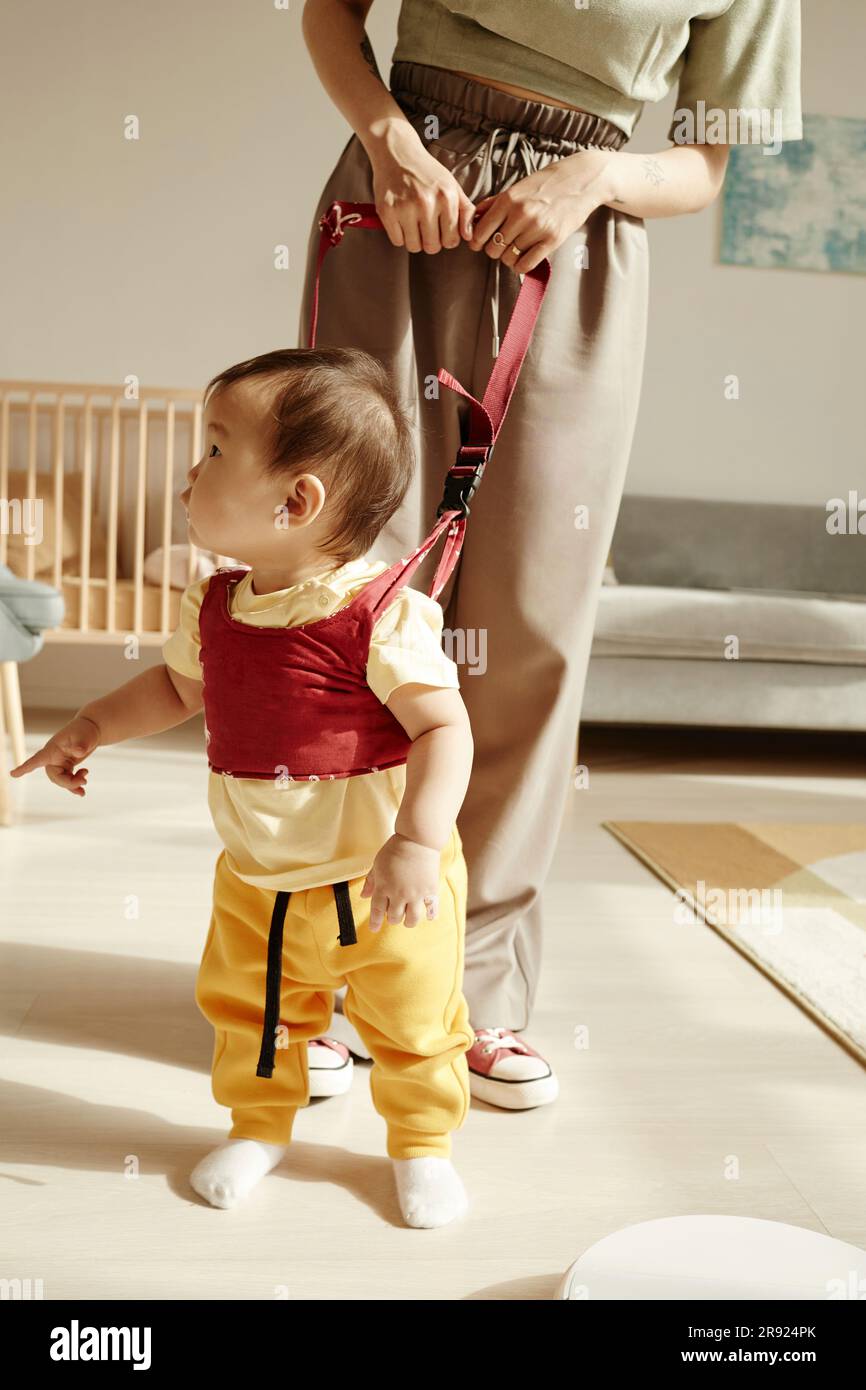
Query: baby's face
{"type": "Point", "coordinates": [234, 507]}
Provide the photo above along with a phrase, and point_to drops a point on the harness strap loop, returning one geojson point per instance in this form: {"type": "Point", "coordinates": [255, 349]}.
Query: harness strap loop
{"type": "Point", "coordinates": [485, 416]}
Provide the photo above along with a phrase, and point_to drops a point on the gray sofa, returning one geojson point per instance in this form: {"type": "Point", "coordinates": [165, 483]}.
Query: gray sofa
{"type": "Point", "coordinates": [692, 575]}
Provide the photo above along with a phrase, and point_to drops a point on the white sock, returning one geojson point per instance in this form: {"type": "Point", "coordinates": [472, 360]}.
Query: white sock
{"type": "Point", "coordinates": [429, 1191]}
{"type": "Point", "coordinates": [228, 1174]}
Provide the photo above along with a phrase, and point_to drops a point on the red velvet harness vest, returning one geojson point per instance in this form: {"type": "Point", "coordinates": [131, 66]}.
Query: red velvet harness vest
{"type": "Point", "coordinates": [294, 702]}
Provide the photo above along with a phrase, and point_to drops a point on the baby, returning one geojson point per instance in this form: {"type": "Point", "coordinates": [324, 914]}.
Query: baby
{"type": "Point", "coordinates": [339, 751]}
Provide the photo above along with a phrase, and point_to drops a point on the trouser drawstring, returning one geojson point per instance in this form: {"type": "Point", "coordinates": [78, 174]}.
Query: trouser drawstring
{"type": "Point", "coordinates": [273, 985]}
{"type": "Point", "coordinates": [274, 978]}
{"type": "Point", "coordinates": [344, 914]}
{"type": "Point", "coordinates": [509, 141]}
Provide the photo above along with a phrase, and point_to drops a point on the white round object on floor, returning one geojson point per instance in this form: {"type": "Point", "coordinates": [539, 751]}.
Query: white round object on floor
{"type": "Point", "coordinates": [716, 1257]}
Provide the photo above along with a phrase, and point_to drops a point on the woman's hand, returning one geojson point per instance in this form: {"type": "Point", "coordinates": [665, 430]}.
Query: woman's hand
{"type": "Point", "coordinates": [538, 213]}
{"type": "Point", "coordinates": [541, 211]}
{"type": "Point", "coordinates": [419, 201]}
{"type": "Point", "coordinates": [60, 754]}
{"type": "Point", "coordinates": [403, 875]}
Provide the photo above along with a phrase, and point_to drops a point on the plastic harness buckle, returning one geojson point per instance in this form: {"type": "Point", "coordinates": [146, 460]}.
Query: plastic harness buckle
{"type": "Point", "coordinates": [461, 482]}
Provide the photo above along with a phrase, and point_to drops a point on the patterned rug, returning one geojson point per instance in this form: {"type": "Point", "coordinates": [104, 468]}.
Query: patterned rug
{"type": "Point", "coordinates": [792, 898]}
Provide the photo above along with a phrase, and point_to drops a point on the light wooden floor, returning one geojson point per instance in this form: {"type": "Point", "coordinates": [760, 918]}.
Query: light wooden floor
{"type": "Point", "coordinates": [698, 1067]}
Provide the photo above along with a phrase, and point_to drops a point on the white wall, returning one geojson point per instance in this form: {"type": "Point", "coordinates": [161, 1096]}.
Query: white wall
{"type": "Point", "coordinates": [794, 338]}
{"type": "Point", "coordinates": [155, 256]}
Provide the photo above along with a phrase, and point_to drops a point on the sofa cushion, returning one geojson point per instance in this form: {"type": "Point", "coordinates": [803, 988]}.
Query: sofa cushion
{"type": "Point", "coordinates": [695, 543]}
{"type": "Point", "coordinates": [648, 620]}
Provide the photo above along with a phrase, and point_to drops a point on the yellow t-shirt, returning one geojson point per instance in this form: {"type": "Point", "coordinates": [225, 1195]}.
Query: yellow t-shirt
{"type": "Point", "coordinates": [303, 834]}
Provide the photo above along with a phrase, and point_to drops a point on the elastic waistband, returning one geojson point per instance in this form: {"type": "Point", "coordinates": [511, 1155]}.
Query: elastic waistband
{"type": "Point", "coordinates": [419, 89]}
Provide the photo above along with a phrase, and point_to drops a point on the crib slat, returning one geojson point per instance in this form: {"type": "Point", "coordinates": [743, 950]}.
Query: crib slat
{"type": "Point", "coordinates": [86, 494]}
{"type": "Point", "coordinates": [140, 502]}
{"type": "Point", "coordinates": [96, 515]}
{"type": "Point", "coordinates": [57, 467]}
{"type": "Point", "coordinates": [111, 541]}
{"type": "Point", "coordinates": [32, 422]}
{"type": "Point", "coordinates": [167, 501]}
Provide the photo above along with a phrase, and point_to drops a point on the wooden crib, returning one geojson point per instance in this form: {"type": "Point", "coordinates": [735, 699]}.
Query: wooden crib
{"type": "Point", "coordinates": [106, 472]}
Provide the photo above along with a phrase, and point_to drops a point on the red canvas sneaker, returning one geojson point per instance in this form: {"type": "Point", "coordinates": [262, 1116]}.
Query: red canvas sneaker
{"type": "Point", "coordinates": [505, 1071]}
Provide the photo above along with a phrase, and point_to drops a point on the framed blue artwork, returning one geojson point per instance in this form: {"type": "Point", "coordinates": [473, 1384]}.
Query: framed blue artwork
{"type": "Point", "coordinates": [803, 208]}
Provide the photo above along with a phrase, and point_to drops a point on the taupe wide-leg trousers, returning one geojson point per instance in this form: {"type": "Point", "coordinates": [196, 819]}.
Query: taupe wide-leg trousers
{"type": "Point", "coordinates": [521, 605]}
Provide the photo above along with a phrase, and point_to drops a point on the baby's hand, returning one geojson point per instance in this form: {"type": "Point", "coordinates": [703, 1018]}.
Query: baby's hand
{"type": "Point", "coordinates": [404, 880]}
{"type": "Point", "coordinates": [60, 754]}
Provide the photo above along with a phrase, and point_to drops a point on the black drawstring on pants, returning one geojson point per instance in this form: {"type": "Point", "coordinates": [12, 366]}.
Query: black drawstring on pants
{"type": "Point", "coordinates": [273, 986]}
{"type": "Point", "coordinates": [344, 914]}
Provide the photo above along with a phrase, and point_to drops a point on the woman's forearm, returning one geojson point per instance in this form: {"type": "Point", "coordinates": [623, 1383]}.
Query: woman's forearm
{"type": "Point", "coordinates": [684, 178]}
{"type": "Point", "coordinates": [145, 705]}
{"type": "Point", "coordinates": [346, 66]}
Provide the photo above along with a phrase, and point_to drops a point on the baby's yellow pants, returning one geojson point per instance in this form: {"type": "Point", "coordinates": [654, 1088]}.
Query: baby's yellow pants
{"type": "Point", "coordinates": [403, 994]}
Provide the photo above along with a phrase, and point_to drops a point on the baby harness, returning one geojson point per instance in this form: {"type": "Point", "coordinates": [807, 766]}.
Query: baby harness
{"type": "Point", "coordinates": [317, 718]}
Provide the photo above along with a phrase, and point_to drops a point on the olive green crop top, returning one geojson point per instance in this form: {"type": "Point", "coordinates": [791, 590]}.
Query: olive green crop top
{"type": "Point", "coordinates": [611, 56]}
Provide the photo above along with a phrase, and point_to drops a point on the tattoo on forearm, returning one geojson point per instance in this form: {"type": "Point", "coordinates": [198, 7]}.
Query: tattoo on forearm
{"type": "Point", "coordinates": [369, 56]}
{"type": "Point", "coordinates": [653, 171]}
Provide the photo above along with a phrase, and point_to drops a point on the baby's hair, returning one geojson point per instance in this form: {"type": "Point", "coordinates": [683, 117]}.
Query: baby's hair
{"type": "Point", "coordinates": [334, 412]}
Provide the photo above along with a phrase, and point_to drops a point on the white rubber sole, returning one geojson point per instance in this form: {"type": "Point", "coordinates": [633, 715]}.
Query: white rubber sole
{"type": "Point", "coordinates": [331, 1081]}
{"type": "Point", "coordinates": [514, 1095]}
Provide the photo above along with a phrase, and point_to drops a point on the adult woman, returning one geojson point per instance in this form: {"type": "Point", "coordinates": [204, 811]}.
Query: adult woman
{"type": "Point", "coordinates": [541, 167]}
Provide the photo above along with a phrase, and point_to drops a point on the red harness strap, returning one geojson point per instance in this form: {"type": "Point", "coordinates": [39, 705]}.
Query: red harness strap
{"type": "Point", "coordinates": [485, 416]}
